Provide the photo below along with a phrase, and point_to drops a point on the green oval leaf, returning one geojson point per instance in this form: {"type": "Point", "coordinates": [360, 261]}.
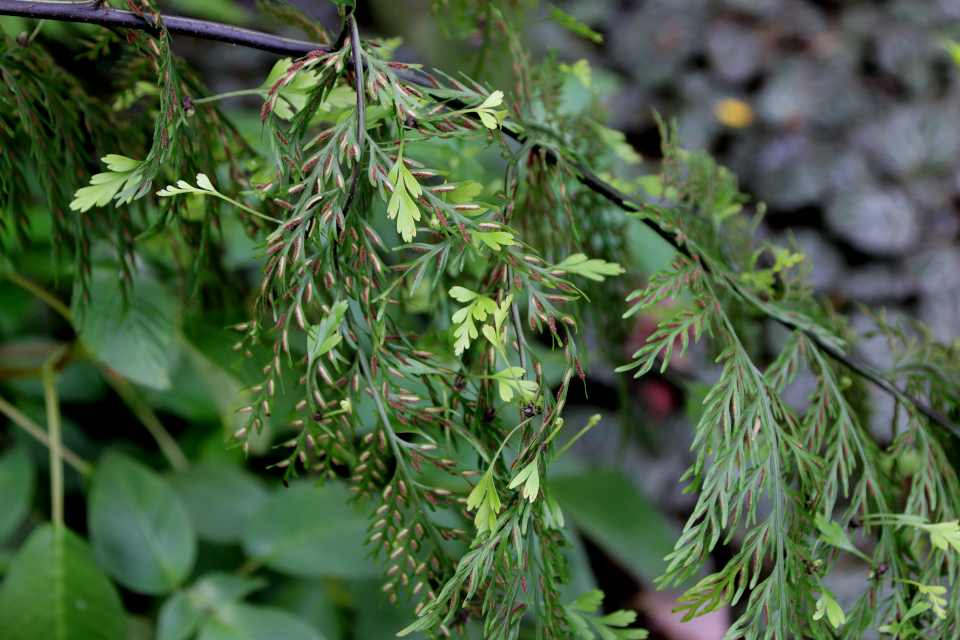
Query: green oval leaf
{"type": "Point", "coordinates": [140, 531]}
{"type": "Point", "coordinates": [178, 619]}
{"type": "Point", "coordinates": [55, 591]}
{"type": "Point", "coordinates": [249, 622]}
{"type": "Point", "coordinates": [16, 490]}
{"type": "Point", "coordinates": [308, 532]}
{"type": "Point", "coordinates": [184, 612]}
{"type": "Point", "coordinates": [134, 340]}
{"type": "Point", "coordinates": [220, 499]}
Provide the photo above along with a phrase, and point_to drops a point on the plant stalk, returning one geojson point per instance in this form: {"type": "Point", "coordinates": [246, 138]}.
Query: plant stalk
{"type": "Point", "coordinates": [168, 446]}
{"type": "Point", "coordinates": [177, 25]}
{"type": "Point", "coordinates": [37, 432]}
{"type": "Point", "coordinates": [41, 293]}
{"type": "Point", "coordinates": [52, 403]}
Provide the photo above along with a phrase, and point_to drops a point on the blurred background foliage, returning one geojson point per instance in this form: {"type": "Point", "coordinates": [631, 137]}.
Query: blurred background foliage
{"type": "Point", "coordinates": [841, 115]}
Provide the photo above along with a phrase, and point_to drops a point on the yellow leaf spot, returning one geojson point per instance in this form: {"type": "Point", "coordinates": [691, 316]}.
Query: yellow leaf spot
{"type": "Point", "coordinates": [733, 113]}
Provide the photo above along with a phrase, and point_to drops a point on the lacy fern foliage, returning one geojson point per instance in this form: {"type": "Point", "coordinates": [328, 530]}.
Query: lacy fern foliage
{"type": "Point", "coordinates": [446, 423]}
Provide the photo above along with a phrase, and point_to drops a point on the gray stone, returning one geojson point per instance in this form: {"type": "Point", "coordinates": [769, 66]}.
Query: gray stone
{"type": "Point", "coordinates": [876, 221]}
{"type": "Point", "coordinates": [937, 270]}
{"type": "Point", "coordinates": [734, 51]}
{"type": "Point", "coordinates": [877, 284]}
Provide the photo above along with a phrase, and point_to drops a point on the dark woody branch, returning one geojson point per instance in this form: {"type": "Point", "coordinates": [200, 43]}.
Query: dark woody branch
{"type": "Point", "coordinates": [89, 13]}
{"type": "Point", "coordinates": [86, 12]}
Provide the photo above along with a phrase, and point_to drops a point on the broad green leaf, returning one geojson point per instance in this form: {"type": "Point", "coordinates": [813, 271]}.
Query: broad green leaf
{"type": "Point", "coordinates": [402, 205]}
{"type": "Point", "coordinates": [488, 120]}
{"type": "Point", "coordinates": [827, 604]}
{"type": "Point", "coordinates": [527, 388]}
{"type": "Point", "coordinates": [17, 482]}
{"type": "Point", "coordinates": [204, 183]}
{"type": "Point", "coordinates": [120, 164]}
{"type": "Point", "coordinates": [278, 70]}
{"type": "Point", "coordinates": [465, 192]}
{"type": "Point", "coordinates": [619, 618]}
{"type": "Point", "coordinates": [55, 591]}
{"type": "Point", "coordinates": [608, 627]}
{"type": "Point", "coordinates": [464, 333]}
{"type": "Point", "coordinates": [554, 515]}
{"type": "Point", "coordinates": [506, 391]}
{"type": "Point", "coordinates": [482, 306]}
{"type": "Point", "coordinates": [578, 624]}
{"type": "Point", "coordinates": [606, 507]}
{"type": "Point", "coordinates": [493, 239]}
{"type": "Point", "coordinates": [405, 210]}
{"type": "Point", "coordinates": [934, 594]}
{"type": "Point", "coordinates": [511, 372]}
{"type": "Point", "coordinates": [323, 337]}
{"type": "Point", "coordinates": [491, 119]}
{"type": "Point", "coordinates": [511, 379]}
{"type": "Point", "coordinates": [103, 187]}
{"type": "Point", "coordinates": [478, 495]}
{"type": "Point", "coordinates": [308, 532]}
{"type": "Point", "coordinates": [410, 182]}
{"type": "Point", "coordinates": [394, 174]}
{"type": "Point", "coordinates": [833, 534]}
{"type": "Point", "coordinates": [462, 295]}
{"type": "Point", "coordinates": [136, 341]}
{"type": "Point", "coordinates": [141, 533]}
{"type": "Point", "coordinates": [529, 476]}
{"type": "Point", "coordinates": [220, 499]}
{"type": "Point", "coordinates": [944, 535]}
{"type": "Point", "coordinates": [495, 99]}
{"type": "Point", "coordinates": [462, 315]}
{"type": "Point", "coordinates": [594, 269]}
{"type": "Point", "coordinates": [479, 308]}
{"type": "Point", "coordinates": [184, 612]}
{"type": "Point", "coordinates": [216, 589]}
{"type": "Point", "coordinates": [500, 314]}
{"type": "Point", "coordinates": [589, 602]}
{"type": "Point", "coordinates": [250, 622]}
{"type": "Point", "coordinates": [178, 618]}
{"type": "Point", "coordinates": [292, 96]}
{"type": "Point", "coordinates": [485, 499]}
